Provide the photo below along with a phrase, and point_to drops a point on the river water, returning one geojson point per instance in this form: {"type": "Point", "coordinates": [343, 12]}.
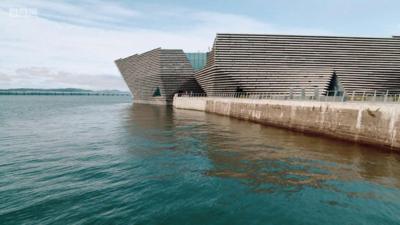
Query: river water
{"type": "Point", "coordinates": [102, 160]}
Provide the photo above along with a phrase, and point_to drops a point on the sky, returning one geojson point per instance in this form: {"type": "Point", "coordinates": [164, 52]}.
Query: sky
{"type": "Point", "coordinates": [60, 44]}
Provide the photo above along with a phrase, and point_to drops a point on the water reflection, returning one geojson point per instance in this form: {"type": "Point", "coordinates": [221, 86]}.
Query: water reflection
{"type": "Point", "coordinates": [267, 154]}
{"type": "Point", "coordinates": [264, 157]}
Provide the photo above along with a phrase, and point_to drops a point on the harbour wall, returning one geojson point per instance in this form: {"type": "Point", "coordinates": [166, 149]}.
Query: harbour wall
{"type": "Point", "coordinates": [363, 122]}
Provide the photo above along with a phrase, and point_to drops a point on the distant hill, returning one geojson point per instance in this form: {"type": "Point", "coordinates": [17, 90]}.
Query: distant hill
{"type": "Point", "coordinates": [73, 91]}
{"type": "Point", "coordinates": [41, 90]}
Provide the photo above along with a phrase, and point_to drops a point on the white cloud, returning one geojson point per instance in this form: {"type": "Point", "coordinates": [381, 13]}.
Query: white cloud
{"type": "Point", "coordinates": [75, 46]}
{"type": "Point", "coordinates": [42, 77]}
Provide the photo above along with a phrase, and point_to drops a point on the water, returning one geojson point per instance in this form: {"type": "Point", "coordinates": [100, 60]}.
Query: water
{"type": "Point", "coordinates": [102, 160]}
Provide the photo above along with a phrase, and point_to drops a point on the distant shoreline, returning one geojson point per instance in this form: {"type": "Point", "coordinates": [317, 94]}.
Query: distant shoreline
{"type": "Point", "coordinates": [66, 91]}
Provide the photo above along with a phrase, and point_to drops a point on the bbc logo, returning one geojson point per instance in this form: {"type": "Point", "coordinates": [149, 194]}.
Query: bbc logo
{"type": "Point", "coordinates": [23, 12]}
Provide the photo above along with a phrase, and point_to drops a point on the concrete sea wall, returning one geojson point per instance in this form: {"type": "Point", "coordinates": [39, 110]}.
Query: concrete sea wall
{"type": "Point", "coordinates": [364, 122]}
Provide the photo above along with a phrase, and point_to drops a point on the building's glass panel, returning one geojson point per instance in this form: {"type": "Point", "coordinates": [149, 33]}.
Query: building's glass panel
{"type": "Point", "coordinates": [198, 60]}
{"type": "Point", "coordinates": [157, 92]}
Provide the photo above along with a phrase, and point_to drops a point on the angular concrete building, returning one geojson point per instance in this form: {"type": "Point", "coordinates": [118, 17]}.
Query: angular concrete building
{"type": "Point", "coordinates": [155, 76]}
{"type": "Point", "coordinates": [278, 63]}
{"type": "Point", "coordinates": [266, 63]}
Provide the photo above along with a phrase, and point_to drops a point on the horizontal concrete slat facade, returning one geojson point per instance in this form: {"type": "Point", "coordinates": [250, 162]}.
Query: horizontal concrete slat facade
{"type": "Point", "coordinates": [276, 63]}
{"type": "Point", "coordinates": [166, 69]}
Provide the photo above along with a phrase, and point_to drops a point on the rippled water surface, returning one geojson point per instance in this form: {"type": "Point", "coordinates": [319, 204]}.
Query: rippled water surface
{"type": "Point", "coordinates": [102, 160]}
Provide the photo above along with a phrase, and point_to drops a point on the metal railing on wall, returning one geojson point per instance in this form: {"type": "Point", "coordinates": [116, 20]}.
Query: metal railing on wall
{"type": "Point", "coordinates": [389, 96]}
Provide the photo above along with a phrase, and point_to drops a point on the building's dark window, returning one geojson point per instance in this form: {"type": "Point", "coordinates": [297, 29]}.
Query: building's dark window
{"type": "Point", "coordinates": [157, 92]}
{"type": "Point", "coordinates": [239, 92]}
{"type": "Point", "coordinates": [335, 87]}
{"type": "Point", "coordinates": [239, 89]}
